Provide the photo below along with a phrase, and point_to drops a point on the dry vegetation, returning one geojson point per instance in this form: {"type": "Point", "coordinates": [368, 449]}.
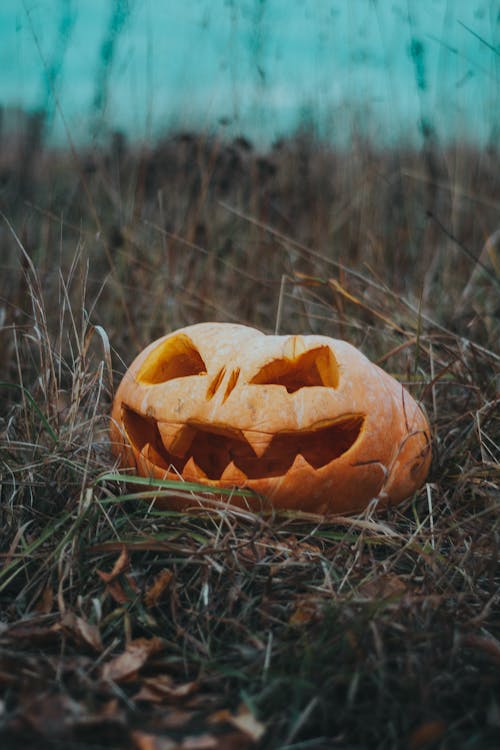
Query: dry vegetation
{"type": "Point", "coordinates": [122, 626]}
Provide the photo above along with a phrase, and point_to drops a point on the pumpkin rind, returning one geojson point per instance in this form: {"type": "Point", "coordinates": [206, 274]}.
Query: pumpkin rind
{"type": "Point", "coordinates": [306, 422]}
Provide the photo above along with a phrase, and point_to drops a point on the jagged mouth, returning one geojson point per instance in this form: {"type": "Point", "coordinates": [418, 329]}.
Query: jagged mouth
{"type": "Point", "coordinates": [220, 453]}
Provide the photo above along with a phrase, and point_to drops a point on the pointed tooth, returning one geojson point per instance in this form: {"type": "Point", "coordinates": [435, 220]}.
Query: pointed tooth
{"type": "Point", "coordinates": [258, 441]}
{"type": "Point", "coordinates": [300, 463]}
{"type": "Point", "coordinates": [192, 471]}
{"type": "Point", "coordinates": [145, 465]}
{"type": "Point", "coordinates": [151, 455]}
{"type": "Point", "coordinates": [176, 437]}
{"type": "Point", "coordinates": [233, 474]}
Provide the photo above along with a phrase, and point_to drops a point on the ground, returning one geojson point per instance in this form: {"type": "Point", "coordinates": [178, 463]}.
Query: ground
{"type": "Point", "coordinates": [126, 626]}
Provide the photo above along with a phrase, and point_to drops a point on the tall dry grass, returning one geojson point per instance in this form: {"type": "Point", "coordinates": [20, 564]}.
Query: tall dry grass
{"type": "Point", "coordinates": [122, 625]}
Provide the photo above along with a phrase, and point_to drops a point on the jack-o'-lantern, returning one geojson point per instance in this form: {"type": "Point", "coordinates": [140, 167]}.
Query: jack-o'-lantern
{"type": "Point", "coordinates": [306, 422]}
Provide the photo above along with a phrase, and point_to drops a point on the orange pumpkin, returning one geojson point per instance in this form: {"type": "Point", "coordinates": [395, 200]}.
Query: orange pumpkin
{"type": "Point", "coordinates": [307, 422]}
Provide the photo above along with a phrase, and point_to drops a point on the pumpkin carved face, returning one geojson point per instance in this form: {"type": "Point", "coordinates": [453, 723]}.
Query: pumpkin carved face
{"type": "Point", "coordinates": [307, 422]}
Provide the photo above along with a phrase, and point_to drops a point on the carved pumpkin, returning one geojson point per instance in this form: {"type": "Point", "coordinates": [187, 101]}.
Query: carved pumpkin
{"type": "Point", "coordinates": [307, 422]}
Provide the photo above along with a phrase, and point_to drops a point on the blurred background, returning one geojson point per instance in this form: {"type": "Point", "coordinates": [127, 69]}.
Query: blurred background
{"type": "Point", "coordinates": [282, 163]}
{"type": "Point", "coordinates": [388, 70]}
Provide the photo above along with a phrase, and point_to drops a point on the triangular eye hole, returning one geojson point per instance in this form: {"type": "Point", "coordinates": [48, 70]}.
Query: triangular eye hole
{"type": "Point", "coordinates": [314, 367]}
{"type": "Point", "coordinates": [177, 357]}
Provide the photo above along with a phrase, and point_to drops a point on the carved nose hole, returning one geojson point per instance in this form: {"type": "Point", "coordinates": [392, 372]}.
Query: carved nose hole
{"type": "Point", "coordinates": [233, 379]}
{"type": "Point", "coordinates": [215, 383]}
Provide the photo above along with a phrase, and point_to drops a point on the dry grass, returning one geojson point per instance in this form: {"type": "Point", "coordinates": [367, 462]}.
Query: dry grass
{"type": "Point", "coordinates": [126, 627]}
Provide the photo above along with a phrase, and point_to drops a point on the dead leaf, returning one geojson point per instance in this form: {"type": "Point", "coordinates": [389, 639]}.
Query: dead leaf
{"type": "Point", "coordinates": [148, 694]}
{"type": "Point", "coordinates": [247, 723]}
{"type": "Point", "coordinates": [244, 720]}
{"type": "Point", "coordinates": [82, 631]}
{"type": "Point", "coordinates": [113, 586]}
{"type": "Point", "coordinates": [115, 590]}
{"type": "Point", "coordinates": [307, 610]}
{"type": "Point", "coordinates": [383, 587]}
{"type": "Point", "coordinates": [426, 734]}
{"type": "Point", "coordinates": [121, 565]}
{"type": "Point", "coordinates": [176, 718]}
{"type": "Point", "coordinates": [45, 602]}
{"type": "Point", "coordinates": [144, 741]}
{"type": "Point", "coordinates": [200, 742]}
{"type": "Point", "coordinates": [234, 741]}
{"type": "Point", "coordinates": [125, 666]}
{"type": "Point", "coordinates": [161, 688]}
{"type": "Point", "coordinates": [155, 591]}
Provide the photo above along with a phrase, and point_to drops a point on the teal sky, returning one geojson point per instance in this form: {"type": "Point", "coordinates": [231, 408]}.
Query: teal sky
{"type": "Point", "coordinates": [256, 67]}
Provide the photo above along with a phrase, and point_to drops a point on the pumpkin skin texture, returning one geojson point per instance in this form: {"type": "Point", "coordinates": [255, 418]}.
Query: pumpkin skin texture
{"type": "Point", "coordinates": [306, 422]}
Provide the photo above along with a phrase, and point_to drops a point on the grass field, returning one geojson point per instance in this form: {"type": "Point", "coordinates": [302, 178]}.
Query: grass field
{"type": "Point", "coordinates": [123, 626]}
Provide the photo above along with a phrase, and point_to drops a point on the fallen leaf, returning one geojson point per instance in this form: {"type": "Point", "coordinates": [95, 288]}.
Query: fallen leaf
{"type": "Point", "coordinates": [148, 694]}
{"type": "Point", "coordinates": [200, 742]}
{"type": "Point", "coordinates": [161, 688]}
{"type": "Point", "coordinates": [244, 720]}
{"type": "Point", "coordinates": [145, 741]}
{"type": "Point", "coordinates": [247, 723]}
{"type": "Point", "coordinates": [155, 591]}
{"type": "Point", "coordinates": [223, 715]}
{"type": "Point", "coordinates": [114, 587]}
{"type": "Point", "coordinates": [82, 631]}
{"type": "Point", "coordinates": [307, 610]}
{"type": "Point", "coordinates": [115, 590]}
{"type": "Point", "coordinates": [383, 587]}
{"type": "Point", "coordinates": [426, 734]}
{"type": "Point", "coordinates": [121, 565]}
{"type": "Point", "coordinates": [45, 602]}
{"type": "Point", "coordinates": [125, 666]}
{"type": "Point", "coordinates": [175, 718]}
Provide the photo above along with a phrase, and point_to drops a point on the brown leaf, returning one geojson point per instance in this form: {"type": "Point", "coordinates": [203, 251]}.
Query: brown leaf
{"type": "Point", "coordinates": [155, 591]}
{"type": "Point", "coordinates": [45, 602]}
{"type": "Point", "coordinates": [247, 723]}
{"type": "Point", "coordinates": [426, 734]}
{"type": "Point", "coordinates": [244, 720]}
{"type": "Point", "coordinates": [161, 688]}
{"type": "Point", "coordinates": [121, 565]}
{"type": "Point", "coordinates": [226, 741]}
{"type": "Point", "coordinates": [176, 718]}
{"type": "Point", "coordinates": [200, 742]}
{"type": "Point", "coordinates": [307, 610]}
{"type": "Point", "coordinates": [82, 631]}
{"type": "Point", "coordinates": [383, 587]}
{"type": "Point", "coordinates": [147, 694]}
{"type": "Point", "coordinates": [125, 666]}
{"type": "Point", "coordinates": [115, 590]}
{"type": "Point", "coordinates": [113, 586]}
{"type": "Point", "coordinates": [144, 741]}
